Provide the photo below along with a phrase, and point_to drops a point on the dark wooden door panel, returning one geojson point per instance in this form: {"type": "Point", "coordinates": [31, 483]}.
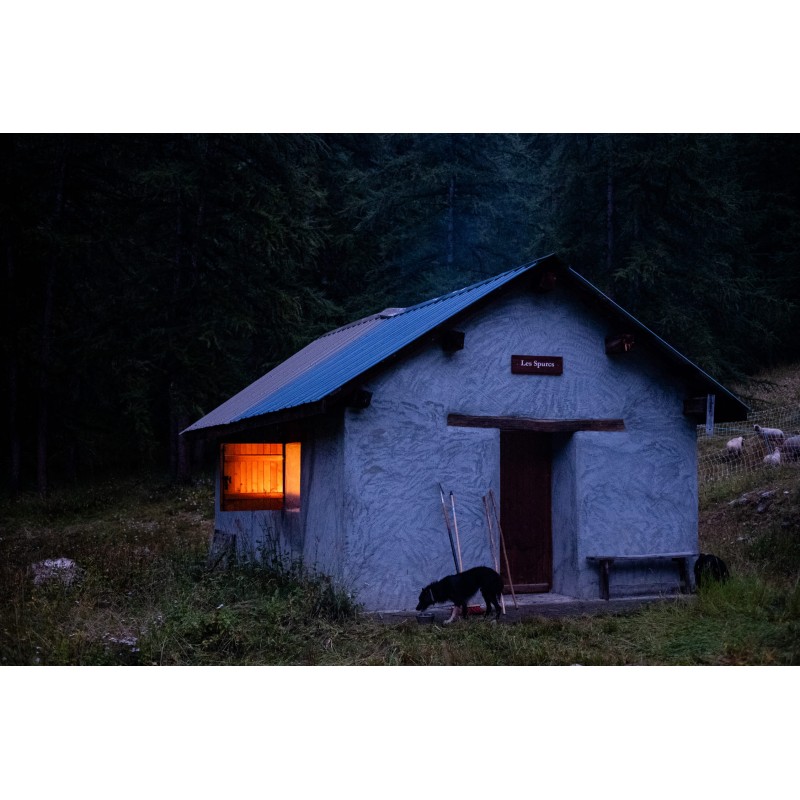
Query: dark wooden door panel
{"type": "Point", "coordinates": [525, 508]}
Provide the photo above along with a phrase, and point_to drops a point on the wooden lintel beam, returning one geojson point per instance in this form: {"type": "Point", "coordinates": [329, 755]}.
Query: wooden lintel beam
{"type": "Point", "coordinates": [540, 425]}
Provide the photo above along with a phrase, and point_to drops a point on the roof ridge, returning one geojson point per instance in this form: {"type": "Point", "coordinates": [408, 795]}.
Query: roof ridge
{"type": "Point", "coordinates": [470, 288]}
{"type": "Point", "coordinates": [395, 311]}
{"type": "Point", "coordinates": [355, 323]}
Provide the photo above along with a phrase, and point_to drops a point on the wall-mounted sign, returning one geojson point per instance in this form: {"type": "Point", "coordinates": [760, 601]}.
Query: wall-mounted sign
{"type": "Point", "coordinates": [537, 365]}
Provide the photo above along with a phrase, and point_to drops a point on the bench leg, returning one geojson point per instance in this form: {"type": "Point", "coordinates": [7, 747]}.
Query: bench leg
{"type": "Point", "coordinates": [684, 573]}
{"type": "Point", "coordinates": [605, 569]}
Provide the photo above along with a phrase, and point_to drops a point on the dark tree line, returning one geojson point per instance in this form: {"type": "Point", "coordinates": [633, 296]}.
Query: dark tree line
{"type": "Point", "coordinates": [146, 278]}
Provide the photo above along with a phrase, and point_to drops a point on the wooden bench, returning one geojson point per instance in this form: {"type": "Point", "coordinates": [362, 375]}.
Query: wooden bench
{"type": "Point", "coordinates": [605, 563]}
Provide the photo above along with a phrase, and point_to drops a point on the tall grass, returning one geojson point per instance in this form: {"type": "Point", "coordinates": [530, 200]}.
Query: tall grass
{"type": "Point", "coordinates": [144, 595]}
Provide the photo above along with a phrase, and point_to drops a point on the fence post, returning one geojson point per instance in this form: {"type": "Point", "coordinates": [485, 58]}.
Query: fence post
{"type": "Point", "coordinates": [710, 401]}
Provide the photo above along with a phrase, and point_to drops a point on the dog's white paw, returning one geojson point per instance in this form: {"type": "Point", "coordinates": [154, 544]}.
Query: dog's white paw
{"type": "Point", "coordinates": [455, 614]}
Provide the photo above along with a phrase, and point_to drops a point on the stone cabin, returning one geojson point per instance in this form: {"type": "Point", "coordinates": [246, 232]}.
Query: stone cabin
{"type": "Point", "coordinates": [532, 384]}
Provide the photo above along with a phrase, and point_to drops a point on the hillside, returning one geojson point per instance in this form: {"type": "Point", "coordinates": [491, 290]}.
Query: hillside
{"type": "Point", "coordinates": [749, 510]}
{"type": "Point", "coordinates": [778, 387]}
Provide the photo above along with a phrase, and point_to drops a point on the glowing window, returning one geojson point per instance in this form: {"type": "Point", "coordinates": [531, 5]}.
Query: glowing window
{"type": "Point", "coordinates": [260, 477]}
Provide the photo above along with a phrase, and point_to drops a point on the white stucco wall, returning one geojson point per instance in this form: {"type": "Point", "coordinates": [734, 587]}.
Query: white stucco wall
{"type": "Point", "coordinates": [633, 491]}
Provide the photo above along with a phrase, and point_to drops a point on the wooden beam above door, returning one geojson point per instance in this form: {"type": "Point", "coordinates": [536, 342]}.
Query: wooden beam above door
{"type": "Point", "coordinates": [540, 425]}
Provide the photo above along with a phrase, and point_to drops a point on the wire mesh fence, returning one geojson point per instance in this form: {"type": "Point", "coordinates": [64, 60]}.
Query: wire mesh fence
{"type": "Point", "coordinates": [766, 438]}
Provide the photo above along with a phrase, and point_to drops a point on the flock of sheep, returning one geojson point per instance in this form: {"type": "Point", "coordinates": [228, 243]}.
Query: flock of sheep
{"type": "Point", "coordinates": [782, 448]}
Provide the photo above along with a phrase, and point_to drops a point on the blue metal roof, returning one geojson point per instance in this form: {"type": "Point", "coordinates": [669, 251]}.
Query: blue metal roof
{"type": "Point", "coordinates": [341, 356]}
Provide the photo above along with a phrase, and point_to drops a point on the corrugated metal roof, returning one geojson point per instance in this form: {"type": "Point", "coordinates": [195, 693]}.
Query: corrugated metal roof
{"type": "Point", "coordinates": [341, 356]}
{"type": "Point", "coordinates": [286, 373]}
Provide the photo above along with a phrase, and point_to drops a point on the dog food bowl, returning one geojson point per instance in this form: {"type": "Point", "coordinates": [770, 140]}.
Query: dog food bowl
{"type": "Point", "coordinates": [426, 619]}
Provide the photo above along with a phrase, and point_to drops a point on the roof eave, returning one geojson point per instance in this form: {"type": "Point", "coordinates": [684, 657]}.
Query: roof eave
{"type": "Point", "coordinates": [259, 421]}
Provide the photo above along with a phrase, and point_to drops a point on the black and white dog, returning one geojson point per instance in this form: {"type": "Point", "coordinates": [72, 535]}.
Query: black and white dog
{"type": "Point", "coordinates": [708, 566]}
{"type": "Point", "coordinates": [458, 589]}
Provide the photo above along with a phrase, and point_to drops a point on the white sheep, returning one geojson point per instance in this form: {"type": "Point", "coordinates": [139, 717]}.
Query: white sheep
{"type": "Point", "coordinates": [770, 435]}
{"type": "Point", "coordinates": [773, 458]}
{"type": "Point", "coordinates": [790, 449]}
{"type": "Point", "coordinates": [734, 446]}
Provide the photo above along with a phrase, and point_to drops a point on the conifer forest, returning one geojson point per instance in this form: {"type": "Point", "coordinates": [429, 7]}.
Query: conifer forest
{"type": "Point", "coordinates": [146, 278]}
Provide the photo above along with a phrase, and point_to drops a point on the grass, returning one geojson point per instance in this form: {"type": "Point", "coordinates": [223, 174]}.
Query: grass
{"type": "Point", "coordinates": [145, 597]}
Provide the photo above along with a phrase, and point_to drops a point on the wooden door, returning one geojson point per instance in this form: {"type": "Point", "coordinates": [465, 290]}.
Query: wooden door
{"type": "Point", "coordinates": [525, 509]}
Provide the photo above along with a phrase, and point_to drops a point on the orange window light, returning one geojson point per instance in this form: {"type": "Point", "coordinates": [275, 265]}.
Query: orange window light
{"type": "Point", "coordinates": [260, 476]}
